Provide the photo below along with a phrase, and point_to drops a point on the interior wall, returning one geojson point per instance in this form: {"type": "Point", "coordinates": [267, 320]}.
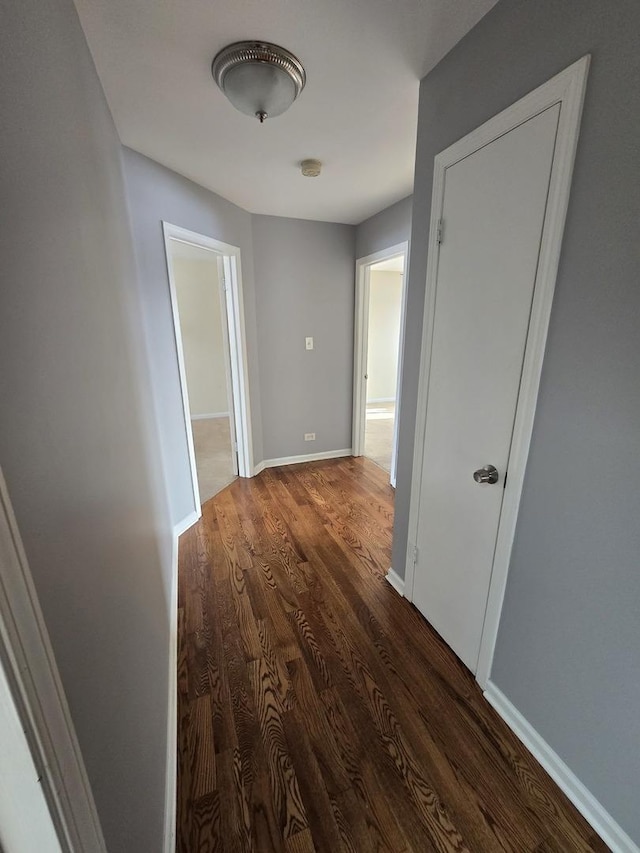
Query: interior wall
{"type": "Point", "coordinates": [304, 287]}
{"type": "Point", "coordinates": [155, 193]}
{"type": "Point", "coordinates": [198, 295]}
{"type": "Point", "coordinates": [568, 653]}
{"type": "Point", "coordinates": [77, 441]}
{"type": "Point", "coordinates": [386, 228]}
{"type": "Point", "coordinates": [385, 306]}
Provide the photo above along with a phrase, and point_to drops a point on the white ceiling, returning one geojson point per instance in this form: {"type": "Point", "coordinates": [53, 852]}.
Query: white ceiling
{"type": "Point", "coordinates": [358, 112]}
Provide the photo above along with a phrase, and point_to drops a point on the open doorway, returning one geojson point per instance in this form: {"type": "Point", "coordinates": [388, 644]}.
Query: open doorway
{"type": "Point", "coordinates": [205, 296]}
{"type": "Point", "coordinates": [380, 300]}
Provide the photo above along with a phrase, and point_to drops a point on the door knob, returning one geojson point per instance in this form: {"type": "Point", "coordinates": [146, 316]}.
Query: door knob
{"type": "Point", "coordinates": [486, 474]}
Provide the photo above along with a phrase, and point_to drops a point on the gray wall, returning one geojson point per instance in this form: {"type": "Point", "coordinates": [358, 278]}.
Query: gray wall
{"type": "Point", "coordinates": [155, 194]}
{"type": "Point", "coordinates": [304, 286]}
{"type": "Point", "coordinates": [77, 444]}
{"type": "Point", "coordinates": [387, 228]}
{"type": "Point", "coordinates": [568, 651]}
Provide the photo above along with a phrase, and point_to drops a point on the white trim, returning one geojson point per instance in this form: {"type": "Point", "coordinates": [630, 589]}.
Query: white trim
{"type": "Point", "coordinates": [208, 416]}
{"type": "Point", "coordinates": [170, 807]}
{"type": "Point", "coordinates": [361, 340]}
{"type": "Point", "coordinates": [238, 363]}
{"type": "Point", "coordinates": [226, 309]}
{"type": "Point", "coordinates": [39, 695]}
{"type": "Point", "coordinates": [306, 457]}
{"type": "Point", "coordinates": [182, 526]}
{"type": "Point", "coordinates": [568, 89]}
{"type": "Point", "coordinates": [259, 468]}
{"type": "Point", "coordinates": [588, 806]}
{"type": "Point", "coordinates": [395, 580]}
{"type": "Point", "coordinates": [381, 400]}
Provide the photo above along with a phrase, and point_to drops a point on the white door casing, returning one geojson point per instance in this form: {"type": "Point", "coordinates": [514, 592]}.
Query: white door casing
{"type": "Point", "coordinates": [226, 349]}
{"type": "Point", "coordinates": [238, 364]}
{"type": "Point", "coordinates": [505, 253]}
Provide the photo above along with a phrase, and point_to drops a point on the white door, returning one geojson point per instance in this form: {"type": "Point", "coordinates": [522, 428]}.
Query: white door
{"type": "Point", "coordinates": [225, 298]}
{"type": "Point", "coordinates": [26, 825]}
{"type": "Point", "coordinates": [492, 219]}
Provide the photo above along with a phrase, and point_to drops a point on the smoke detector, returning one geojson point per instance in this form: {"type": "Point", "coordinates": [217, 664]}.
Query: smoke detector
{"type": "Point", "coordinates": [311, 168]}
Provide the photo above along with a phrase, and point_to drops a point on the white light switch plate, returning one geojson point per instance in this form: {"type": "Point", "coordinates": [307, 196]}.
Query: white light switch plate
{"type": "Point", "coordinates": [308, 343]}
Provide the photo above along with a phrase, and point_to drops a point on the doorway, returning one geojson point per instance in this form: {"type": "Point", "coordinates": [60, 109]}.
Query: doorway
{"type": "Point", "coordinates": [499, 200]}
{"type": "Point", "coordinates": [205, 297]}
{"type": "Point", "coordinates": [379, 328]}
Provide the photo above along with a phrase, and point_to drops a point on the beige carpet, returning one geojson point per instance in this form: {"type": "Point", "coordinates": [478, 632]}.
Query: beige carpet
{"type": "Point", "coordinates": [378, 437]}
{"type": "Point", "coordinates": [214, 462]}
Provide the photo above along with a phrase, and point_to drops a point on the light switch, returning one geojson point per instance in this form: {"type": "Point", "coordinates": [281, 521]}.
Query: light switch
{"type": "Point", "coordinates": [308, 343]}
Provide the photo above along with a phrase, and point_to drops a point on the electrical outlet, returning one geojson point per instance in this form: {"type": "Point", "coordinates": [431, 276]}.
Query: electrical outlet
{"type": "Point", "coordinates": [308, 343]}
{"type": "Point", "coordinates": [309, 436]}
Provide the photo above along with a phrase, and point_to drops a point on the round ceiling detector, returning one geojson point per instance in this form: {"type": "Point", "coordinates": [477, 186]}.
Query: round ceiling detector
{"type": "Point", "coordinates": [259, 78]}
{"type": "Point", "coordinates": [311, 168]}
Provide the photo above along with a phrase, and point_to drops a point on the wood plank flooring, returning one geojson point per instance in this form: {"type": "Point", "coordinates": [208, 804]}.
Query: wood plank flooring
{"type": "Point", "coordinates": [318, 711]}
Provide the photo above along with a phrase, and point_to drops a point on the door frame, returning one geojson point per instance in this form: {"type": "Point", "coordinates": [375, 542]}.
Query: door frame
{"type": "Point", "coordinates": [566, 88]}
{"type": "Point", "coordinates": [361, 343]}
{"type": "Point", "coordinates": [28, 661]}
{"type": "Point", "coordinates": [231, 282]}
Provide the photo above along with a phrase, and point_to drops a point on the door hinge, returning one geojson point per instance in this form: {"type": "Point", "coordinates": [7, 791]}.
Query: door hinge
{"type": "Point", "coordinates": [415, 556]}
{"type": "Point", "coordinates": [439, 231]}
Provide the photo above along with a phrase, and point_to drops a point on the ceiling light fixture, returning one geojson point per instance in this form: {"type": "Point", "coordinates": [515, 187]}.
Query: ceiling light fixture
{"type": "Point", "coordinates": [260, 79]}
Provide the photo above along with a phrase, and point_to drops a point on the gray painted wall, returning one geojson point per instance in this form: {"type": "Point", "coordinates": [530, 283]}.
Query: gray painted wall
{"type": "Point", "coordinates": [304, 286]}
{"type": "Point", "coordinates": [155, 193]}
{"type": "Point", "coordinates": [77, 443]}
{"type": "Point", "coordinates": [568, 651]}
{"type": "Point", "coordinates": [387, 228]}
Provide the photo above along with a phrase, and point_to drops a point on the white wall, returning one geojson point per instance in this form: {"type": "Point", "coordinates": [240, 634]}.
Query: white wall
{"type": "Point", "coordinates": [385, 302]}
{"type": "Point", "coordinates": [198, 294]}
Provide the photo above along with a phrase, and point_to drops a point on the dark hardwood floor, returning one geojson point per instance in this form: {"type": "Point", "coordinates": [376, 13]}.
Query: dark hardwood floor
{"type": "Point", "coordinates": [317, 709]}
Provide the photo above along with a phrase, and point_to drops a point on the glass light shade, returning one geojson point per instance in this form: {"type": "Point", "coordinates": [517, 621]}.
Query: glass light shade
{"type": "Point", "coordinates": [259, 78]}
{"type": "Point", "coordinates": [258, 87]}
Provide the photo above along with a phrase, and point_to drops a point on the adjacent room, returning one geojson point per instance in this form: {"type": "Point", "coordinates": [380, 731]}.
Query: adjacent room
{"type": "Point", "coordinates": [385, 314]}
{"type": "Point", "coordinates": [201, 324]}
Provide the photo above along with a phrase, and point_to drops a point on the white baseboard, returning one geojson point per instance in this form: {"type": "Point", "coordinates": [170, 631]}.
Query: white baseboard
{"type": "Point", "coordinates": [597, 816]}
{"type": "Point", "coordinates": [208, 415]}
{"type": "Point", "coordinates": [172, 711]}
{"type": "Point", "coordinates": [396, 581]}
{"type": "Point", "coordinates": [382, 400]}
{"type": "Point", "coordinates": [186, 523]}
{"type": "Point", "coordinates": [306, 457]}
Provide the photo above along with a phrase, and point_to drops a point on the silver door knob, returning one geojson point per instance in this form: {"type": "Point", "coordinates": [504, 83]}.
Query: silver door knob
{"type": "Point", "coordinates": [486, 474]}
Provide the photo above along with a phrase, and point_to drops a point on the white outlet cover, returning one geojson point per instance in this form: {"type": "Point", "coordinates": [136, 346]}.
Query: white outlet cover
{"type": "Point", "coordinates": [309, 436]}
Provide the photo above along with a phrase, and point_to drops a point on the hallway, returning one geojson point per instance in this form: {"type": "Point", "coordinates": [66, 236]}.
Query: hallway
{"type": "Point", "coordinates": [317, 710]}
